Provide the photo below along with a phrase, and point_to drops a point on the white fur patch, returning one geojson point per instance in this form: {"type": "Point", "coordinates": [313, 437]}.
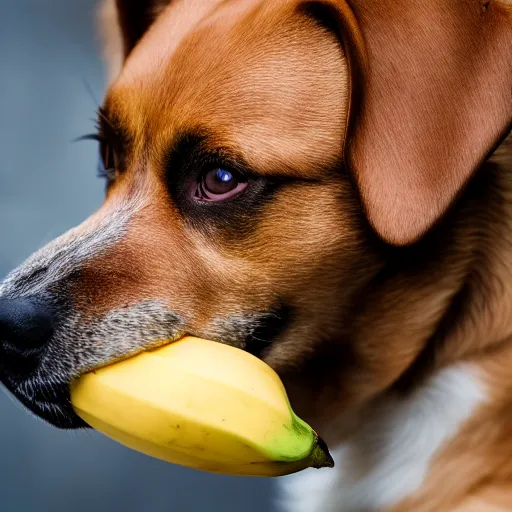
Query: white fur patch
{"type": "Point", "coordinates": [389, 457]}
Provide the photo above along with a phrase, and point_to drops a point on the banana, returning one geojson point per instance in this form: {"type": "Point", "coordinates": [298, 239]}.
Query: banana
{"type": "Point", "coordinates": [200, 404]}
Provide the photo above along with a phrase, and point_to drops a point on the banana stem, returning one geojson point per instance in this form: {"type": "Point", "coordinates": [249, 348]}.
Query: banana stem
{"type": "Point", "coordinates": [320, 456]}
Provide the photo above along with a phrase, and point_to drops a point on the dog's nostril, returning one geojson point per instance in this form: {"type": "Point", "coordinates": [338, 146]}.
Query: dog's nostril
{"type": "Point", "coordinates": [25, 323]}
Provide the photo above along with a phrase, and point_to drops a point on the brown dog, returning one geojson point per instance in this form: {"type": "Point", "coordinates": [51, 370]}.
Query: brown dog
{"type": "Point", "coordinates": [328, 185]}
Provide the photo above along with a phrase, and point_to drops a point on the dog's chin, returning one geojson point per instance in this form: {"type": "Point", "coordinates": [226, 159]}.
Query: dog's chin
{"type": "Point", "coordinates": [48, 401]}
{"type": "Point", "coordinates": [62, 417]}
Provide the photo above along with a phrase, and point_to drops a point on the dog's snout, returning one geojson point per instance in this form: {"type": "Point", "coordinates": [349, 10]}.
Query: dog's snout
{"type": "Point", "coordinates": [25, 324]}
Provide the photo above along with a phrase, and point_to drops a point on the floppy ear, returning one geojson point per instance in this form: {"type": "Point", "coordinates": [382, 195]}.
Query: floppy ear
{"type": "Point", "coordinates": [431, 98]}
{"type": "Point", "coordinates": [122, 24]}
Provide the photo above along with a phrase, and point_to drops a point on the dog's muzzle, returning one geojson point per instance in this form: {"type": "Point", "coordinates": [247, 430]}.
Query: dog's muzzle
{"type": "Point", "coordinates": [48, 336]}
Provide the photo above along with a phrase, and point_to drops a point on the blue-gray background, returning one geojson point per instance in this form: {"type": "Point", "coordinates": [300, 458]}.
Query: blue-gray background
{"type": "Point", "coordinates": [47, 185]}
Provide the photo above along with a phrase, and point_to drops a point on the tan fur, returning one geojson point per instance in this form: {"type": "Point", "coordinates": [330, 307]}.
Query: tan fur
{"type": "Point", "coordinates": [267, 83]}
{"type": "Point", "coordinates": [465, 260]}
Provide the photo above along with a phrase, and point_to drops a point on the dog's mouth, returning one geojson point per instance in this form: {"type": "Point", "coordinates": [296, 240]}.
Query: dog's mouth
{"type": "Point", "coordinates": [47, 395]}
{"type": "Point", "coordinates": [43, 384]}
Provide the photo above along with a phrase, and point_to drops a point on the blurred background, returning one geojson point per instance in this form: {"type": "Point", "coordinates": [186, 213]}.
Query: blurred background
{"type": "Point", "coordinates": [48, 52]}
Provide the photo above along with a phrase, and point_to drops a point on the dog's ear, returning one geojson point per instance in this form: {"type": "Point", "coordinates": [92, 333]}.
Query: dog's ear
{"type": "Point", "coordinates": [122, 23]}
{"type": "Point", "coordinates": [430, 98]}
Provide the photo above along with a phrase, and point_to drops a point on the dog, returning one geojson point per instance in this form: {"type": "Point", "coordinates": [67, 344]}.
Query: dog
{"type": "Point", "coordinates": [328, 185]}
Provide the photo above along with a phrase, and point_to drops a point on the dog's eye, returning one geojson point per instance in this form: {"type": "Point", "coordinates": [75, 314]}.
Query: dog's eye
{"type": "Point", "coordinates": [219, 184]}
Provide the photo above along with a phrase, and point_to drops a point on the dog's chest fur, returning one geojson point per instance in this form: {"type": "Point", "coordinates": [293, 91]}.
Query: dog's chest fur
{"type": "Point", "coordinates": [389, 457]}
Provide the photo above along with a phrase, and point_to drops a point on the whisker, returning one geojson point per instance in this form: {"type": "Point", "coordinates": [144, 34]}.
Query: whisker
{"type": "Point", "coordinates": [88, 88]}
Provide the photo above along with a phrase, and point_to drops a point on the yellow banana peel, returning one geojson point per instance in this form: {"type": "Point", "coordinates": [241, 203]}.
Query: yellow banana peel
{"type": "Point", "coordinates": [200, 404]}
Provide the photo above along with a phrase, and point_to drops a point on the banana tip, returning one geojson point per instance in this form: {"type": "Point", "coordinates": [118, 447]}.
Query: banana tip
{"type": "Point", "coordinates": [321, 458]}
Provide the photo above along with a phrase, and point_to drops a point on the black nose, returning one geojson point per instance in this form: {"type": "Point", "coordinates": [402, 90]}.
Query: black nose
{"type": "Point", "coordinates": [25, 324]}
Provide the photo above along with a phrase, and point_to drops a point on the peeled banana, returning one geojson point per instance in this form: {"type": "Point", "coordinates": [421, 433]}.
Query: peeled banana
{"type": "Point", "coordinates": [200, 404]}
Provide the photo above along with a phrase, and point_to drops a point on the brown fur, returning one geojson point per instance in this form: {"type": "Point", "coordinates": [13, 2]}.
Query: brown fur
{"type": "Point", "coordinates": [381, 294]}
{"type": "Point", "coordinates": [378, 319]}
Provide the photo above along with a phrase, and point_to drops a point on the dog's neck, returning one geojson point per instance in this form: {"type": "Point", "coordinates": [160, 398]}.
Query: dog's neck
{"type": "Point", "coordinates": [470, 263]}
{"type": "Point", "coordinates": [439, 435]}
{"type": "Point", "coordinates": [476, 332]}
{"type": "Point", "coordinates": [480, 316]}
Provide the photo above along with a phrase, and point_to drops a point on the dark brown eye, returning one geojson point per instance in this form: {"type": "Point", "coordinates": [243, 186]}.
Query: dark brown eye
{"type": "Point", "coordinates": [219, 184]}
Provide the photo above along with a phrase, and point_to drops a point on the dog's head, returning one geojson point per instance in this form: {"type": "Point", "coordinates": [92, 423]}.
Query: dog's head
{"type": "Point", "coordinates": [265, 161]}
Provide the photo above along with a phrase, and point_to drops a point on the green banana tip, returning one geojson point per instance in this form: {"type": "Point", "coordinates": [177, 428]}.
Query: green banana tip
{"type": "Point", "coordinates": [320, 456]}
